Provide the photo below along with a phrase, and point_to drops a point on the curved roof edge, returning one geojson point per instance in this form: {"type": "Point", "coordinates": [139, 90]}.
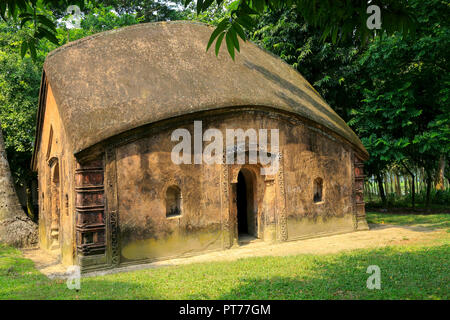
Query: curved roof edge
{"type": "Point", "coordinates": [121, 79]}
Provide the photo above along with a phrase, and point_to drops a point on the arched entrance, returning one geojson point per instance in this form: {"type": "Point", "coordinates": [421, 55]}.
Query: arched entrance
{"type": "Point", "coordinates": [55, 204]}
{"type": "Point", "coordinates": [246, 205]}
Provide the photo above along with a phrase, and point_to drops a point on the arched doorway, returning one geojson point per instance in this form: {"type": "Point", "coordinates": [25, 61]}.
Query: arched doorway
{"type": "Point", "coordinates": [247, 217]}
{"type": "Point", "coordinates": [55, 205]}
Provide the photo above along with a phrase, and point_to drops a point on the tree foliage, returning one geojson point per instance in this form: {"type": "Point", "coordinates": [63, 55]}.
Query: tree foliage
{"type": "Point", "coordinates": [33, 17]}
{"type": "Point", "coordinates": [404, 115]}
{"type": "Point", "coordinates": [393, 91]}
{"type": "Point", "coordinates": [19, 88]}
{"type": "Point", "coordinates": [338, 20]}
{"type": "Point", "coordinates": [37, 19]}
{"type": "Point", "coordinates": [148, 10]}
{"type": "Point", "coordinates": [330, 68]}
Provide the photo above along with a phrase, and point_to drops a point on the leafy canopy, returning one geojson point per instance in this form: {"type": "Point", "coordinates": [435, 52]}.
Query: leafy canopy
{"type": "Point", "coordinates": [337, 19]}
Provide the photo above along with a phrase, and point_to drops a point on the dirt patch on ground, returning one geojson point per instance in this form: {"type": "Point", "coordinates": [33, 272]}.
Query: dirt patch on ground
{"type": "Point", "coordinates": [47, 262]}
{"type": "Point", "coordinates": [378, 236]}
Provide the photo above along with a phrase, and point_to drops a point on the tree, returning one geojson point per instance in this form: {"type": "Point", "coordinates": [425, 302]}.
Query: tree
{"type": "Point", "coordinates": [440, 175]}
{"type": "Point", "coordinates": [337, 19]}
{"type": "Point", "coordinates": [404, 115]}
{"type": "Point", "coordinates": [15, 227]}
{"type": "Point", "coordinates": [147, 10]}
{"type": "Point", "coordinates": [34, 21]}
{"type": "Point", "coordinates": [19, 86]}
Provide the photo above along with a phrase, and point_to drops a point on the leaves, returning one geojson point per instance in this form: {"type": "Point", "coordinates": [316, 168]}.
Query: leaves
{"type": "Point", "coordinates": [42, 19]}
{"type": "Point", "coordinates": [219, 42]}
{"type": "Point", "coordinates": [32, 48]}
{"type": "Point", "coordinates": [23, 49]}
{"type": "Point", "coordinates": [19, 87]}
{"type": "Point", "coordinates": [231, 30]}
{"type": "Point", "coordinates": [33, 17]}
{"type": "Point", "coordinates": [338, 20]}
{"type": "Point", "coordinates": [400, 108]}
{"type": "Point", "coordinates": [44, 33]}
{"type": "Point", "coordinates": [239, 31]}
{"type": "Point", "coordinates": [20, 77]}
{"type": "Point", "coordinates": [220, 28]}
{"type": "Point", "coordinates": [393, 91]}
{"type": "Point", "coordinates": [230, 44]}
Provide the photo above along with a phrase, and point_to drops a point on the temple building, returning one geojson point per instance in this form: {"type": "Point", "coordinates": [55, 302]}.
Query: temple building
{"type": "Point", "coordinates": [112, 111]}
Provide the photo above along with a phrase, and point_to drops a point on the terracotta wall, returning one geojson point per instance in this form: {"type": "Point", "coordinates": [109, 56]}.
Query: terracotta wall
{"type": "Point", "coordinates": [145, 171]}
{"type": "Point", "coordinates": [52, 151]}
{"type": "Point", "coordinates": [309, 155]}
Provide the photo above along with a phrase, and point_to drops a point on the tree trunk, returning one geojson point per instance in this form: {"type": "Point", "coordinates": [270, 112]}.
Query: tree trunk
{"type": "Point", "coordinates": [369, 191]}
{"type": "Point", "coordinates": [413, 188]}
{"type": "Point", "coordinates": [440, 176]}
{"type": "Point", "coordinates": [405, 184]}
{"type": "Point", "coordinates": [381, 189]}
{"type": "Point", "coordinates": [397, 185]}
{"type": "Point", "coordinates": [386, 184]}
{"type": "Point", "coordinates": [410, 184]}
{"type": "Point", "coordinates": [423, 182]}
{"type": "Point", "coordinates": [390, 184]}
{"type": "Point", "coordinates": [16, 228]}
{"type": "Point", "coordinates": [429, 181]}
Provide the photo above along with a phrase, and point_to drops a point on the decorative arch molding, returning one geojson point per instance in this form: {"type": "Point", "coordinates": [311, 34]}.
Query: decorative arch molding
{"type": "Point", "coordinates": [254, 168]}
{"type": "Point", "coordinates": [55, 203]}
{"type": "Point", "coordinates": [235, 168]}
{"type": "Point", "coordinates": [274, 223]}
{"type": "Point", "coordinates": [52, 161]}
{"type": "Point", "coordinates": [170, 182]}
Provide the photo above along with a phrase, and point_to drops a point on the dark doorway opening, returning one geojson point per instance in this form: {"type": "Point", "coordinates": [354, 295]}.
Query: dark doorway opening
{"type": "Point", "coordinates": [247, 223]}
{"type": "Point", "coordinates": [241, 199]}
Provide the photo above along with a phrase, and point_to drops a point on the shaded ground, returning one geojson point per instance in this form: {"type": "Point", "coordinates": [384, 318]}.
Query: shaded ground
{"type": "Point", "coordinates": [385, 230]}
{"type": "Point", "coordinates": [408, 210]}
{"type": "Point", "coordinates": [413, 258]}
{"type": "Point", "coordinates": [377, 237]}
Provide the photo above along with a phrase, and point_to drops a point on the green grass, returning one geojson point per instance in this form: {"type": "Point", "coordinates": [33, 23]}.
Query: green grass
{"type": "Point", "coordinates": [429, 220]}
{"type": "Point", "coordinates": [416, 271]}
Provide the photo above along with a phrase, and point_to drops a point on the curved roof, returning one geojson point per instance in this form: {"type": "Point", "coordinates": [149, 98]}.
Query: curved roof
{"type": "Point", "coordinates": [118, 80]}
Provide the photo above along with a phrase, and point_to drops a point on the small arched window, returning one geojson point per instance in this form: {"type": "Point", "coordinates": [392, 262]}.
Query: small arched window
{"type": "Point", "coordinates": [173, 201]}
{"type": "Point", "coordinates": [318, 189]}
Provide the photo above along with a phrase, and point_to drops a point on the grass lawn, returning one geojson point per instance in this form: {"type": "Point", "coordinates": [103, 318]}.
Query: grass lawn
{"type": "Point", "coordinates": [407, 272]}
{"type": "Point", "coordinates": [429, 220]}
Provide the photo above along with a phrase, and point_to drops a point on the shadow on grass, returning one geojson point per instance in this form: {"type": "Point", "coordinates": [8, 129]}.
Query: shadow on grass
{"type": "Point", "coordinates": [425, 229]}
{"type": "Point", "coordinates": [406, 273]}
{"type": "Point", "coordinates": [419, 274]}
{"type": "Point", "coordinates": [414, 222]}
